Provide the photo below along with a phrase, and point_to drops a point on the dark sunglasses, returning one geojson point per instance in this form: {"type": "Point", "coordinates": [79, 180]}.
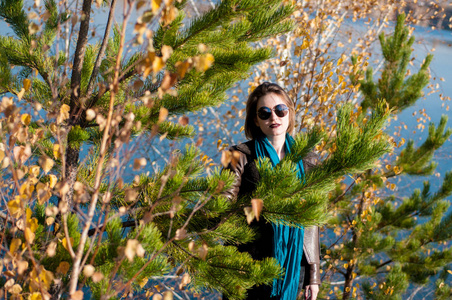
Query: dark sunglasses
{"type": "Point", "coordinates": [281, 110]}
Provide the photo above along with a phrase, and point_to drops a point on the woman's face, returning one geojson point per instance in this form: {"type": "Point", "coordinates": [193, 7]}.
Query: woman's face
{"type": "Point", "coordinates": [273, 126]}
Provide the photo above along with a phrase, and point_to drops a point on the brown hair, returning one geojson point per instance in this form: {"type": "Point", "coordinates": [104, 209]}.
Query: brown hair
{"type": "Point", "coordinates": [251, 130]}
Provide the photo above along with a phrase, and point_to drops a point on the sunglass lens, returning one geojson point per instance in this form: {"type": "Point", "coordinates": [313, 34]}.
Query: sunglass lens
{"type": "Point", "coordinates": [264, 113]}
{"type": "Point", "coordinates": [281, 110]}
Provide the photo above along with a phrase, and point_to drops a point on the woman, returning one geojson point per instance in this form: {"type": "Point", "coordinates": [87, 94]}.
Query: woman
{"type": "Point", "coordinates": [270, 118]}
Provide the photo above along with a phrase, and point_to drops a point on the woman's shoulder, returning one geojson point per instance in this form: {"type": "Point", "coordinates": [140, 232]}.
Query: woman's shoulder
{"type": "Point", "coordinates": [246, 148]}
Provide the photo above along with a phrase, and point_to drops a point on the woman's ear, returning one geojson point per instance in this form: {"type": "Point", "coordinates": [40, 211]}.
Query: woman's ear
{"type": "Point", "coordinates": [256, 122]}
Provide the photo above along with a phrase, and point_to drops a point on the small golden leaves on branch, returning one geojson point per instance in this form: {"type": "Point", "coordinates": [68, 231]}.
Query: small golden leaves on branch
{"type": "Point", "coordinates": [78, 295]}
{"type": "Point", "coordinates": [97, 277]}
{"type": "Point", "coordinates": [202, 251]}
{"type": "Point", "coordinates": [52, 181]}
{"type": "Point", "coordinates": [27, 84]}
{"type": "Point", "coordinates": [15, 207]}
{"type": "Point", "coordinates": [133, 248]}
{"type": "Point", "coordinates": [46, 163]}
{"type": "Point", "coordinates": [22, 153]}
{"type": "Point", "coordinates": [88, 270]}
{"type": "Point", "coordinates": [168, 295]}
{"type": "Point", "coordinates": [63, 267]}
{"type": "Point", "coordinates": [90, 114]}
{"type": "Point", "coordinates": [56, 151]}
{"type": "Point", "coordinates": [184, 281]}
{"type": "Point", "coordinates": [203, 62]}
{"type": "Point", "coordinates": [138, 163]}
{"type": "Point", "coordinates": [51, 249]}
{"type": "Point", "coordinates": [155, 6]}
{"type": "Point", "coordinates": [182, 68]}
{"type": "Point", "coordinates": [181, 234]}
{"type": "Point", "coordinates": [33, 28]}
{"type": "Point", "coordinates": [65, 243]}
{"type": "Point", "coordinates": [157, 64]}
{"type": "Point", "coordinates": [163, 114]}
{"type": "Point", "coordinates": [14, 245]}
{"type": "Point", "coordinates": [249, 214]}
{"type": "Point", "coordinates": [257, 205]}
{"type": "Point", "coordinates": [169, 14]}
{"type": "Point", "coordinates": [63, 114]}
{"type": "Point", "coordinates": [183, 120]}
{"type": "Point", "coordinates": [25, 119]}
{"type": "Point", "coordinates": [43, 193]}
{"type": "Point", "coordinates": [169, 80]}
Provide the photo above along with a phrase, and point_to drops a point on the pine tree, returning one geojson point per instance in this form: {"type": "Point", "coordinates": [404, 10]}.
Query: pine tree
{"type": "Point", "coordinates": [387, 243]}
{"type": "Point", "coordinates": [73, 226]}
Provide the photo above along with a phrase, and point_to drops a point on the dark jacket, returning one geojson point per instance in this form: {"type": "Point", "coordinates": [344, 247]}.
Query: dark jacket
{"type": "Point", "coordinates": [247, 177]}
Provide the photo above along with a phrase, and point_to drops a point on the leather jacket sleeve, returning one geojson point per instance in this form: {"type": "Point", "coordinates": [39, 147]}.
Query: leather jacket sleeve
{"type": "Point", "coordinates": [311, 241]}
{"type": "Point", "coordinates": [311, 249]}
{"type": "Point", "coordinates": [237, 169]}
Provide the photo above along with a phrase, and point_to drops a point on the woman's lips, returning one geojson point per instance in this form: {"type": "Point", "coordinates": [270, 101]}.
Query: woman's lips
{"type": "Point", "coordinates": [274, 125]}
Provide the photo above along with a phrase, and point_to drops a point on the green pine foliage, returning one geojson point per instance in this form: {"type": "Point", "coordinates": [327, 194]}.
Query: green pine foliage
{"type": "Point", "coordinates": [392, 242]}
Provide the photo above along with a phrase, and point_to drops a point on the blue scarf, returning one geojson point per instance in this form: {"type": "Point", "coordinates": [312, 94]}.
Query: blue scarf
{"type": "Point", "coordinates": [287, 241]}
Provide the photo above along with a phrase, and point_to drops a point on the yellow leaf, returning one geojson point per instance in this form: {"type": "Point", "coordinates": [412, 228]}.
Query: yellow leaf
{"type": "Point", "coordinates": [168, 295]}
{"type": "Point", "coordinates": [15, 289]}
{"type": "Point", "coordinates": [449, 271]}
{"type": "Point", "coordinates": [35, 296]}
{"type": "Point", "coordinates": [143, 282]}
{"type": "Point", "coordinates": [163, 114]}
{"type": "Point", "coordinates": [166, 52]}
{"type": "Point", "coordinates": [15, 243]}
{"type": "Point", "coordinates": [63, 267]}
{"type": "Point", "coordinates": [182, 68]}
{"type": "Point", "coordinates": [56, 151]}
{"type": "Point", "coordinates": [257, 205]}
{"type": "Point", "coordinates": [88, 270]}
{"type": "Point", "coordinates": [169, 14]}
{"type": "Point", "coordinates": [29, 235]}
{"type": "Point", "coordinates": [140, 4]}
{"type": "Point", "coordinates": [52, 180]}
{"type": "Point", "coordinates": [43, 193]}
{"type": "Point", "coordinates": [157, 64]}
{"type": "Point", "coordinates": [185, 280]}
{"type": "Point", "coordinates": [22, 266]}
{"type": "Point", "coordinates": [202, 251]}
{"type": "Point", "coordinates": [25, 119]}
{"type": "Point", "coordinates": [180, 234]}
{"type": "Point", "coordinates": [46, 163]}
{"type": "Point", "coordinates": [33, 28]}
{"type": "Point", "coordinates": [27, 84]}
{"type": "Point", "coordinates": [26, 189]}
{"type": "Point", "coordinates": [21, 94]}
{"type": "Point", "coordinates": [131, 248]}
{"type": "Point", "coordinates": [33, 224]}
{"type": "Point", "coordinates": [53, 128]}
{"type": "Point", "coordinates": [15, 207]}
{"type": "Point", "coordinates": [78, 295]}
{"type": "Point", "coordinates": [155, 5]}
{"type": "Point", "coordinates": [204, 62]}
{"type": "Point", "coordinates": [64, 113]}
{"type": "Point", "coordinates": [65, 243]}
{"type": "Point", "coordinates": [97, 277]}
{"type": "Point", "coordinates": [249, 214]}
{"type": "Point", "coordinates": [34, 170]}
